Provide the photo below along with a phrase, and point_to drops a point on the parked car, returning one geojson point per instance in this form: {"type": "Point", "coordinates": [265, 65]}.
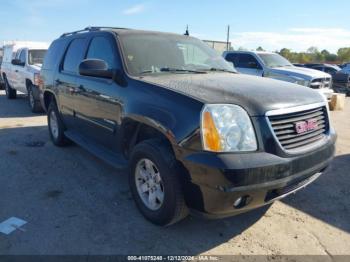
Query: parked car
{"type": "Point", "coordinates": [275, 66]}
{"type": "Point", "coordinates": [1, 80]}
{"type": "Point", "coordinates": [341, 77]}
{"type": "Point", "coordinates": [194, 134]}
{"type": "Point", "coordinates": [20, 69]}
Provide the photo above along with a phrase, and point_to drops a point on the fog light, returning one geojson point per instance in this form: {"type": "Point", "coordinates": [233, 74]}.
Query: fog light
{"type": "Point", "coordinates": [238, 202]}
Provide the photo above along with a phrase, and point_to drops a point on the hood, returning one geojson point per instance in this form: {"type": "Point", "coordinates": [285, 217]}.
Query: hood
{"type": "Point", "coordinates": [300, 72]}
{"type": "Point", "coordinates": [257, 95]}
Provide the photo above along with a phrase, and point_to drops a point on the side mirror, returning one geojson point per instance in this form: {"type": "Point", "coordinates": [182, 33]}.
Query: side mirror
{"type": "Point", "coordinates": [95, 68]}
{"type": "Point", "coordinates": [17, 62]}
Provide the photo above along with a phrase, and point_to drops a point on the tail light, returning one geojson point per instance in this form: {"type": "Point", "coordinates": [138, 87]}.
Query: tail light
{"type": "Point", "coordinates": [38, 81]}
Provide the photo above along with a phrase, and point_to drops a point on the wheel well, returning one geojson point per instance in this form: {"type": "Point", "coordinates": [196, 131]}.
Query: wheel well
{"type": "Point", "coordinates": [48, 97]}
{"type": "Point", "coordinates": [134, 133]}
{"type": "Point", "coordinates": [28, 83]}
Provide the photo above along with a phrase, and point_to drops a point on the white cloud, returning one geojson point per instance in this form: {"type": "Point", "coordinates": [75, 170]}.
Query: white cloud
{"type": "Point", "coordinates": [134, 9]}
{"type": "Point", "coordinates": [297, 39]}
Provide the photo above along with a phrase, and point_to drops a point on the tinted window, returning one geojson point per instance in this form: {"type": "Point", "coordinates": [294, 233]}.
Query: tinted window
{"type": "Point", "coordinates": [232, 58]}
{"type": "Point", "coordinates": [54, 54]}
{"type": "Point", "coordinates": [330, 70]}
{"type": "Point", "coordinates": [74, 55]}
{"type": "Point", "coordinates": [22, 56]}
{"type": "Point", "coordinates": [101, 48]}
{"type": "Point", "coordinates": [246, 60]}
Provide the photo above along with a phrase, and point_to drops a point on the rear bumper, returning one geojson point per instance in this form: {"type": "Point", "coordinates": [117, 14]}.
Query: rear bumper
{"type": "Point", "coordinates": [218, 180]}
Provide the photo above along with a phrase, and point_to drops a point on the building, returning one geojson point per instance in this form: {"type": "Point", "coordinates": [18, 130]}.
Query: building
{"type": "Point", "coordinates": [219, 46]}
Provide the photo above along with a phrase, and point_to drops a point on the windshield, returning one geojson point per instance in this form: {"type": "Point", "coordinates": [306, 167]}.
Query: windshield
{"type": "Point", "coordinates": [36, 56]}
{"type": "Point", "coordinates": [162, 53]}
{"type": "Point", "coordinates": [274, 60]}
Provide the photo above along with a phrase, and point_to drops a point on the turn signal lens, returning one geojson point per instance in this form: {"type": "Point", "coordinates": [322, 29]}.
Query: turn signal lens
{"type": "Point", "coordinates": [211, 137]}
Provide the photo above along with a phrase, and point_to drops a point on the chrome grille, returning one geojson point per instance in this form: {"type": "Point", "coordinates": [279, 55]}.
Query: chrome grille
{"type": "Point", "coordinates": [321, 83]}
{"type": "Point", "coordinates": [285, 127]}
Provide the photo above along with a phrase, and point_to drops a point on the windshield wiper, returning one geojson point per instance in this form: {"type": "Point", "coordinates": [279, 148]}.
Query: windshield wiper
{"type": "Point", "coordinates": [169, 69]}
{"type": "Point", "coordinates": [220, 70]}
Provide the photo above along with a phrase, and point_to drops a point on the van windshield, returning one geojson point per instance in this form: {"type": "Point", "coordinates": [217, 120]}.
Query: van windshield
{"type": "Point", "coordinates": [165, 53]}
{"type": "Point", "coordinates": [274, 60]}
{"type": "Point", "coordinates": [36, 57]}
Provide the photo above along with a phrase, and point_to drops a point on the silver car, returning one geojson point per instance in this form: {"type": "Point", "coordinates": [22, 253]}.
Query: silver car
{"type": "Point", "coordinates": [267, 64]}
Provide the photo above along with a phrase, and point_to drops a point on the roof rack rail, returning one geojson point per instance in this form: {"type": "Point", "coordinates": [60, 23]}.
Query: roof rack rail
{"type": "Point", "coordinates": [91, 28]}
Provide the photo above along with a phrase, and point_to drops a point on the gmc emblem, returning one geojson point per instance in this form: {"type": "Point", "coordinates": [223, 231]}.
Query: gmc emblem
{"type": "Point", "coordinates": [305, 126]}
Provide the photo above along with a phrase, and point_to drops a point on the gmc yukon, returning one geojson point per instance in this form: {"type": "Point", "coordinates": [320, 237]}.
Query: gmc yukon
{"type": "Point", "coordinates": [194, 135]}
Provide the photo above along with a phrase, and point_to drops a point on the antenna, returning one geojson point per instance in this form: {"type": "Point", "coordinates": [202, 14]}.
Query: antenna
{"type": "Point", "coordinates": [187, 32]}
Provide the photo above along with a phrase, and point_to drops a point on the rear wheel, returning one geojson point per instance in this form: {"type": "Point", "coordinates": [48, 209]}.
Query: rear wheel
{"type": "Point", "coordinates": [154, 183]}
{"type": "Point", "coordinates": [56, 126]}
{"type": "Point", "coordinates": [10, 92]}
{"type": "Point", "coordinates": [34, 104]}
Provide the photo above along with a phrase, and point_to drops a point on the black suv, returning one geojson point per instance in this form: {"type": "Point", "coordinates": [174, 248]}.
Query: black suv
{"type": "Point", "coordinates": [194, 134]}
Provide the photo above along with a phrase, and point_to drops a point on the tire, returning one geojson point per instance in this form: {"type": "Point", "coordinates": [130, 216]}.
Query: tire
{"type": "Point", "coordinates": [10, 92]}
{"type": "Point", "coordinates": [173, 207]}
{"type": "Point", "coordinates": [56, 126]}
{"type": "Point", "coordinates": [34, 104]}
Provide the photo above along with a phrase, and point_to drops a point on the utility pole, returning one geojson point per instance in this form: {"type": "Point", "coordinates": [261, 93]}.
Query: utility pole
{"type": "Point", "coordinates": [228, 38]}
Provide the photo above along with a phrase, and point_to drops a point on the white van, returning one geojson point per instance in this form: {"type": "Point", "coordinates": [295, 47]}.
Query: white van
{"type": "Point", "coordinates": [20, 70]}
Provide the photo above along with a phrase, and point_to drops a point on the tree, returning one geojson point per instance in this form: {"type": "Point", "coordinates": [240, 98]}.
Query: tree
{"type": "Point", "coordinates": [344, 54]}
{"type": "Point", "coordinates": [260, 49]}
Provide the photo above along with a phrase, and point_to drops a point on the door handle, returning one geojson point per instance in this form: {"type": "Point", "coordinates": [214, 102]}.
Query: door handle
{"type": "Point", "coordinates": [16, 71]}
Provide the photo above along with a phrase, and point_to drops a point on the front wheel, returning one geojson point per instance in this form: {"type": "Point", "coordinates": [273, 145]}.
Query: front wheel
{"type": "Point", "coordinates": [154, 183]}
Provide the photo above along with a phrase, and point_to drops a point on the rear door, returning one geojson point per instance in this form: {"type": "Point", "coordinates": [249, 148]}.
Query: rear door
{"type": "Point", "coordinates": [13, 70]}
{"type": "Point", "coordinates": [66, 80]}
{"type": "Point", "coordinates": [248, 64]}
{"type": "Point", "coordinates": [98, 111]}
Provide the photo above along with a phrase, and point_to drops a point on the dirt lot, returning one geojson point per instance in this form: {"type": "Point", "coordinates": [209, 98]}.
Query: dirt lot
{"type": "Point", "coordinates": [76, 204]}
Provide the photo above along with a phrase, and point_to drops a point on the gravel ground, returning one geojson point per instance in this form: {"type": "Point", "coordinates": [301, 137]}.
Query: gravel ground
{"type": "Point", "coordinates": [76, 204]}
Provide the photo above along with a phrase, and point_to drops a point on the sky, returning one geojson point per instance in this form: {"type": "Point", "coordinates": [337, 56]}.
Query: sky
{"type": "Point", "coordinates": [271, 24]}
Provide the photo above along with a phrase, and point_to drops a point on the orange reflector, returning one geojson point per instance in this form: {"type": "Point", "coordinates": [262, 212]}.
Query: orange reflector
{"type": "Point", "coordinates": [211, 137]}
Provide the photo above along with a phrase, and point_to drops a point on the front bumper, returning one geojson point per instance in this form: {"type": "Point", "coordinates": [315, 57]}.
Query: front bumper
{"type": "Point", "coordinates": [218, 180]}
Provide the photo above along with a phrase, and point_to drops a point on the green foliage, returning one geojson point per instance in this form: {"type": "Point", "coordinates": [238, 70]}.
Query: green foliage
{"type": "Point", "coordinates": [313, 55]}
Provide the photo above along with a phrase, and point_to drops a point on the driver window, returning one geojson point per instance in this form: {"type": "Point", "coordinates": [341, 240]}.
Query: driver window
{"type": "Point", "coordinates": [22, 56]}
{"type": "Point", "coordinates": [247, 61]}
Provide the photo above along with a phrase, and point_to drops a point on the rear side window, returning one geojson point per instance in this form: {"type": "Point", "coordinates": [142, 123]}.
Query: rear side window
{"type": "Point", "coordinates": [101, 48]}
{"type": "Point", "coordinates": [53, 55]}
{"type": "Point", "coordinates": [74, 55]}
{"type": "Point", "coordinates": [245, 61]}
{"type": "Point", "coordinates": [233, 58]}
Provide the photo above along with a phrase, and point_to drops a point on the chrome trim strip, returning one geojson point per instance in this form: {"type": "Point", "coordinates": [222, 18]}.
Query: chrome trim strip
{"type": "Point", "coordinates": [295, 109]}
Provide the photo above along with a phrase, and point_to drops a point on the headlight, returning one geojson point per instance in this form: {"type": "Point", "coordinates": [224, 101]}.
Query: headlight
{"type": "Point", "coordinates": [227, 128]}
{"type": "Point", "coordinates": [302, 82]}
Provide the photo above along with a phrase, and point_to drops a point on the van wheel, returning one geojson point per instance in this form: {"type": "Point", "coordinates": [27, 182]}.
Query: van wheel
{"type": "Point", "coordinates": [56, 127]}
{"type": "Point", "coordinates": [10, 92]}
{"type": "Point", "coordinates": [34, 104]}
{"type": "Point", "coordinates": [154, 183]}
